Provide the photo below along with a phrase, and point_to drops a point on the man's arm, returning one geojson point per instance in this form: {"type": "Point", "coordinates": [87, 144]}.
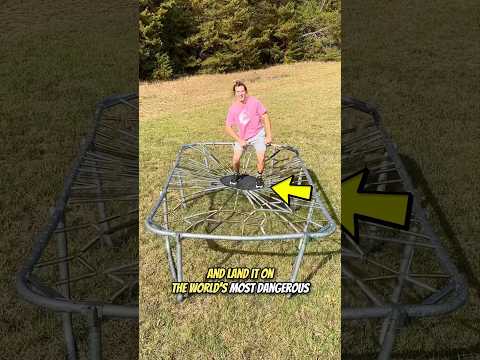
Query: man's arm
{"type": "Point", "coordinates": [268, 128]}
{"type": "Point", "coordinates": [229, 130]}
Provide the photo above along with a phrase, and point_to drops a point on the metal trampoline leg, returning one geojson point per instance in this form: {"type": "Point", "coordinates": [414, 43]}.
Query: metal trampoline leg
{"type": "Point", "coordinates": [178, 241]}
{"type": "Point", "coordinates": [298, 260]}
{"type": "Point", "coordinates": [63, 268]}
{"type": "Point", "coordinates": [94, 335]}
{"type": "Point", "coordinates": [69, 336]}
{"type": "Point", "coordinates": [387, 344]}
{"type": "Point", "coordinates": [168, 247]}
{"type": "Point", "coordinates": [171, 263]}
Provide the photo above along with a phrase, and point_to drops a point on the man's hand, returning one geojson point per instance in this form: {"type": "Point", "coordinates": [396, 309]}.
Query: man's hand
{"type": "Point", "coordinates": [231, 132]}
{"type": "Point", "coordinates": [268, 128]}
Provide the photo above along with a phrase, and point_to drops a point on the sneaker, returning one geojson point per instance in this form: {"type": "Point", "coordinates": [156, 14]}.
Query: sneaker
{"type": "Point", "coordinates": [234, 179]}
{"type": "Point", "coordinates": [259, 182]}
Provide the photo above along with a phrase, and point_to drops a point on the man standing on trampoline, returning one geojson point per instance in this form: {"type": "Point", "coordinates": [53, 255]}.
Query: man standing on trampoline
{"type": "Point", "coordinates": [253, 126]}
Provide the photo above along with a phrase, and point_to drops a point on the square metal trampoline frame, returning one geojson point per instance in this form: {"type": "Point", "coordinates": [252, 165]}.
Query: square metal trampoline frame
{"type": "Point", "coordinates": [391, 307]}
{"type": "Point", "coordinates": [302, 235]}
{"type": "Point", "coordinates": [97, 159]}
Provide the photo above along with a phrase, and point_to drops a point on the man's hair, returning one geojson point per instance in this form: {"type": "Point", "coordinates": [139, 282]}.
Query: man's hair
{"type": "Point", "coordinates": [237, 83]}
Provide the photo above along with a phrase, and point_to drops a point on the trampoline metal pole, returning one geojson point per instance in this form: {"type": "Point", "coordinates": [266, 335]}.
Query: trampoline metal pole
{"type": "Point", "coordinates": [298, 260]}
{"type": "Point", "coordinates": [178, 240]}
{"type": "Point", "coordinates": [69, 336]}
{"type": "Point", "coordinates": [94, 335]}
{"type": "Point", "coordinates": [62, 252]}
{"type": "Point", "coordinates": [168, 247]}
{"type": "Point", "coordinates": [389, 337]}
{"type": "Point", "coordinates": [171, 263]}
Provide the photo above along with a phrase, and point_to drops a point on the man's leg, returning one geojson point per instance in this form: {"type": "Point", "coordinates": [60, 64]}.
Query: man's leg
{"type": "Point", "coordinates": [260, 149]}
{"type": "Point", "coordinates": [260, 161]}
{"type": "Point", "coordinates": [260, 167]}
{"type": "Point", "coordinates": [237, 154]}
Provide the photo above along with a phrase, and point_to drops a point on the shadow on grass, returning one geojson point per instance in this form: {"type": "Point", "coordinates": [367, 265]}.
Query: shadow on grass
{"type": "Point", "coordinates": [213, 245]}
{"type": "Point", "coordinates": [324, 260]}
{"type": "Point", "coordinates": [459, 252]}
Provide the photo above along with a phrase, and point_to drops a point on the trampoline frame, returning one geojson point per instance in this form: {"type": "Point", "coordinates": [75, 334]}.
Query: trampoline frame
{"type": "Point", "coordinates": [36, 293]}
{"type": "Point", "coordinates": [175, 262]}
{"type": "Point", "coordinates": [394, 313]}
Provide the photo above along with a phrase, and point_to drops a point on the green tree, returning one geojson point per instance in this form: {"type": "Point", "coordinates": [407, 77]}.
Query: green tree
{"type": "Point", "coordinates": [163, 29]}
{"type": "Point", "coordinates": [189, 36]}
{"type": "Point", "coordinates": [227, 38]}
{"type": "Point", "coordinates": [321, 29]}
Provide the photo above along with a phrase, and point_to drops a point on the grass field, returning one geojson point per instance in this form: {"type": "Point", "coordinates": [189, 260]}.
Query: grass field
{"type": "Point", "coordinates": [56, 63]}
{"type": "Point", "coordinates": [418, 63]}
{"type": "Point", "coordinates": [304, 104]}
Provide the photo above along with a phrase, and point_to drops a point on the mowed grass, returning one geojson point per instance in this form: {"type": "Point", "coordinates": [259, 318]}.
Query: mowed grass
{"type": "Point", "coordinates": [419, 64]}
{"type": "Point", "coordinates": [304, 104]}
{"type": "Point", "coordinates": [56, 63]}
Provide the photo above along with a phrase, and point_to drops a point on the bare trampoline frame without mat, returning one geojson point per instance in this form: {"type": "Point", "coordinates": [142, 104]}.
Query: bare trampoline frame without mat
{"type": "Point", "coordinates": [175, 262]}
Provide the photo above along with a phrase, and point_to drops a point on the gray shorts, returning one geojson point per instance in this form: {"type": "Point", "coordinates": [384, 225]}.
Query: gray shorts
{"type": "Point", "coordinates": [258, 142]}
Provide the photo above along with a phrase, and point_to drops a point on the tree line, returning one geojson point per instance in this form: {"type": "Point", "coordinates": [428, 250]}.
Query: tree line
{"type": "Point", "coordinates": [179, 37]}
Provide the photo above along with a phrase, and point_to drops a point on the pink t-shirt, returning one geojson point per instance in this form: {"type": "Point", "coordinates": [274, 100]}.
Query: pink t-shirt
{"type": "Point", "coordinates": [247, 117]}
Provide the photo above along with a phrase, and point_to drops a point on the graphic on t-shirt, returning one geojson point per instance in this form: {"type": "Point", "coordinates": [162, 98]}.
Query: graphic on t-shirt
{"type": "Point", "coordinates": [243, 117]}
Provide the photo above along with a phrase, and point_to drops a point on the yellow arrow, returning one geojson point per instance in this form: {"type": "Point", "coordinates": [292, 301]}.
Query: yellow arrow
{"type": "Point", "coordinates": [391, 209]}
{"type": "Point", "coordinates": [285, 189]}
